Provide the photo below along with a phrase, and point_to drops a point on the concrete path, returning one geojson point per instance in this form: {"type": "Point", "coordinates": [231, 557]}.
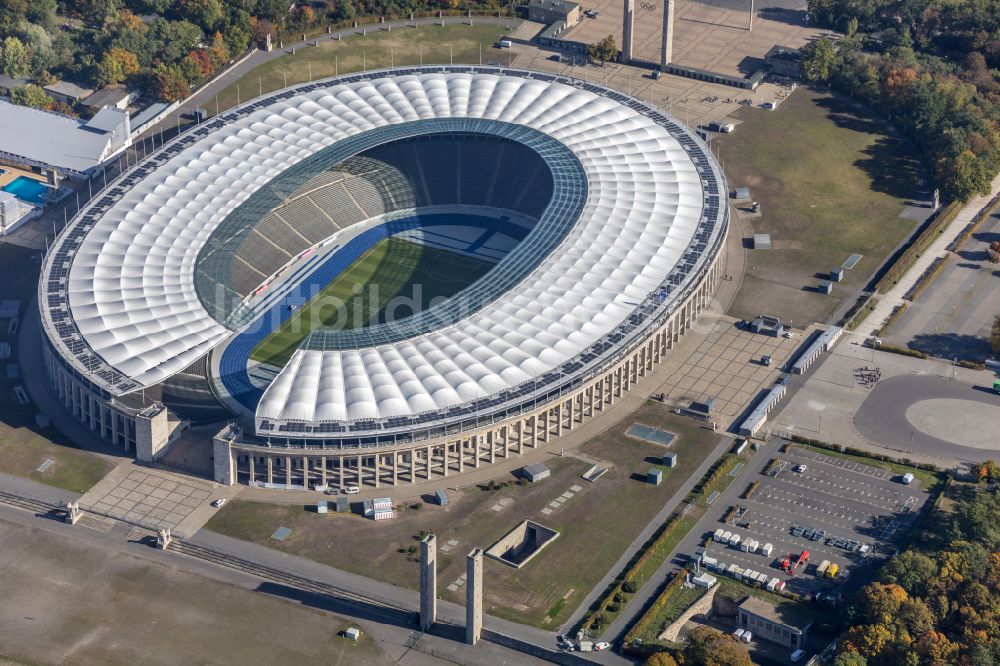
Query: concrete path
{"type": "Point", "coordinates": [888, 301]}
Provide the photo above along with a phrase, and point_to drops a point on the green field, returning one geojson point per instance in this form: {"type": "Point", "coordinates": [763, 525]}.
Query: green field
{"type": "Point", "coordinates": [831, 182]}
{"type": "Point", "coordinates": [392, 280]}
{"type": "Point", "coordinates": [430, 44]}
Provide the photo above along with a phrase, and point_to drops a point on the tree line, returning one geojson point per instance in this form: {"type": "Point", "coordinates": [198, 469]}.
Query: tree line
{"type": "Point", "coordinates": [160, 47]}
{"type": "Point", "coordinates": [932, 67]}
{"type": "Point", "coordinates": [937, 603]}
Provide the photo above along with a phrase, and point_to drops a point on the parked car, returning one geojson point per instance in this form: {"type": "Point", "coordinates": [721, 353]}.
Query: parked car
{"type": "Point", "coordinates": [493, 63]}
{"type": "Point", "coordinates": [800, 468]}
{"type": "Point", "coordinates": [352, 490]}
{"type": "Point", "coordinates": [601, 645]}
{"type": "Point", "coordinates": [332, 491]}
{"type": "Point", "coordinates": [219, 503]}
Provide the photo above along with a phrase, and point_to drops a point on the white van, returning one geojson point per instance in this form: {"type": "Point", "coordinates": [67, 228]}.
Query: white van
{"type": "Point", "coordinates": [504, 44]}
{"type": "Point", "coordinates": [747, 635]}
{"type": "Point", "coordinates": [352, 490]}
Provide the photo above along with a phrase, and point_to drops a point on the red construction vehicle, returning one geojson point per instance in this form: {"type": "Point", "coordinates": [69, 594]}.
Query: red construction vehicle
{"type": "Point", "coordinates": [786, 564]}
{"type": "Point", "coordinates": [801, 561]}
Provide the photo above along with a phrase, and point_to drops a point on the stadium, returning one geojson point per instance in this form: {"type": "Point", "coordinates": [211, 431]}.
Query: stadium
{"type": "Point", "coordinates": [387, 277]}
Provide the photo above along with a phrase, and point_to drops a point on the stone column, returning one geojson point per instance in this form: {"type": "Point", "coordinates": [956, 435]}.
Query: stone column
{"type": "Point", "coordinates": [473, 596]}
{"type": "Point", "coordinates": [428, 582]}
{"type": "Point", "coordinates": [667, 40]}
{"type": "Point", "coordinates": [628, 31]}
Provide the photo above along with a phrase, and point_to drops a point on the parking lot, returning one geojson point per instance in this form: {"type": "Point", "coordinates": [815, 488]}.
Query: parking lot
{"type": "Point", "coordinates": [857, 510]}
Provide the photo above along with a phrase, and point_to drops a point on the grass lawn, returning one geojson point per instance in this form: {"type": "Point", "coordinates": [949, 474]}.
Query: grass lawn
{"type": "Point", "coordinates": [831, 182]}
{"type": "Point", "coordinates": [595, 525]}
{"type": "Point", "coordinates": [364, 293]}
{"type": "Point", "coordinates": [23, 447]}
{"type": "Point", "coordinates": [430, 44]}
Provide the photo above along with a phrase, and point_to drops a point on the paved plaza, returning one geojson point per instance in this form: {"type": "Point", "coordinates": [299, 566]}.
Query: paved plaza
{"type": "Point", "coordinates": [713, 38]}
{"type": "Point", "coordinates": [151, 497]}
{"type": "Point", "coordinates": [727, 366]}
{"type": "Point", "coordinates": [926, 410]}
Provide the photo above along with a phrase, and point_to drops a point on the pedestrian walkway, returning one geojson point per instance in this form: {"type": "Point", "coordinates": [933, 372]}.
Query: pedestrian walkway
{"type": "Point", "coordinates": [887, 302]}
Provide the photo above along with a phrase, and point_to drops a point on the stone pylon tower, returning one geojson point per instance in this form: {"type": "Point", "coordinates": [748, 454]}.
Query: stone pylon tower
{"type": "Point", "coordinates": [428, 582]}
{"type": "Point", "coordinates": [473, 596]}
{"type": "Point", "coordinates": [628, 31]}
{"type": "Point", "coordinates": [667, 39]}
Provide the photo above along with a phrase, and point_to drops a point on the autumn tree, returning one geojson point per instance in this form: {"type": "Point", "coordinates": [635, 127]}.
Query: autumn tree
{"type": "Point", "coordinates": [604, 50]}
{"type": "Point", "coordinates": [15, 59]}
{"type": "Point", "coordinates": [995, 335]}
{"type": "Point", "coordinates": [116, 66]}
{"type": "Point", "coordinates": [818, 59]}
{"type": "Point", "coordinates": [708, 647]}
{"type": "Point", "coordinates": [170, 83]}
{"type": "Point", "coordinates": [30, 95]}
{"type": "Point", "coordinates": [660, 659]}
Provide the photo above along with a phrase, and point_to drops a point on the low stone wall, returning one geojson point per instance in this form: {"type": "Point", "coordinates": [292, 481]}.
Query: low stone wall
{"type": "Point", "coordinates": [701, 607]}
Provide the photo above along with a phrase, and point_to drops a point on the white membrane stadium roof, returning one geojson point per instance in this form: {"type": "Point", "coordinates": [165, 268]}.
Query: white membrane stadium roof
{"type": "Point", "coordinates": [131, 287]}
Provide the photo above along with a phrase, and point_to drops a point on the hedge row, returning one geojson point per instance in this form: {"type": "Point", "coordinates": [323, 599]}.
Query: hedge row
{"type": "Point", "coordinates": [972, 226]}
{"type": "Point", "coordinates": [942, 219]}
{"type": "Point", "coordinates": [902, 351]}
{"type": "Point", "coordinates": [897, 312]}
{"type": "Point", "coordinates": [851, 451]}
{"type": "Point", "coordinates": [924, 280]}
{"type": "Point", "coordinates": [627, 583]}
{"type": "Point", "coordinates": [751, 489]}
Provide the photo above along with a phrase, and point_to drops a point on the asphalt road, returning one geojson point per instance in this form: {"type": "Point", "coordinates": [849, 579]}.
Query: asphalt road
{"type": "Point", "coordinates": [883, 415]}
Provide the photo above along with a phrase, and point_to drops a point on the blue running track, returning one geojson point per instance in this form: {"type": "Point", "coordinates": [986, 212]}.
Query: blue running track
{"type": "Point", "coordinates": [233, 364]}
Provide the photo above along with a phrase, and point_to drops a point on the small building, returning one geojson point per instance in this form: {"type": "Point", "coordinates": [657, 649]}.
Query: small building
{"type": "Point", "coordinates": [353, 633]}
{"type": "Point", "coordinates": [343, 505]}
{"type": "Point", "coordinates": [559, 12]}
{"type": "Point", "coordinates": [704, 580]}
{"type": "Point", "coordinates": [837, 274]}
{"type": "Point", "coordinates": [379, 508]}
{"type": "Point", "coordinates": [766, 325]}
{"type": "Point", "coordinates": [322, 507]}
{"type": "Point", "coordinates": [114, 96]}
{"type": "Point", "coordinates": [741, 193]}
{"type": "Point", "coordinates": [654, 476]}
{"type": "Point", "coordinates": [535, 473]}
{"type": "Point", "coordinates": [670, 459]}
{"type": "Point", "coordinates": [65, 91]}
{"type": "Point", "coordinates": [784, 61]}
{"type": "Point", "coordinates": [441, 497]}
{"type": "Point", "coordinates": [773, 623]}
{"type": "Point", "coordinates": [825, 287]}
{"type": "Point", "coordinates": [8, 83]}
{"type": "Point", "coordinates": [762, 241]}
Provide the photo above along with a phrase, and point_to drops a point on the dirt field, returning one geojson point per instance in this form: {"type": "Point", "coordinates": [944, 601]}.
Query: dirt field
{"type": "Point", "coordinates": [831, 182]}
{"type": "Point", "coordinates": [596, 524]}
{"type": "Point", "coordinates": [66, 603]}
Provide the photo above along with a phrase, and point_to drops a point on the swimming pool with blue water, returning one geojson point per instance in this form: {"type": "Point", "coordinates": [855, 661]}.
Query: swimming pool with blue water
{"type": "Point", "coordinates": [27, 189]}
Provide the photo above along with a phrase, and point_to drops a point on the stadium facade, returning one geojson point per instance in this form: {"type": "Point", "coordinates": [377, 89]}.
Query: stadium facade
{"type": "Point", "coordinates": [622, 217]}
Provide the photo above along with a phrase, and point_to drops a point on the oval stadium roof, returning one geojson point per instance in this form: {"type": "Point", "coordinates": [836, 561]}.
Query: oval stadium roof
{"type": "Point", "coordinates": [651, 222]}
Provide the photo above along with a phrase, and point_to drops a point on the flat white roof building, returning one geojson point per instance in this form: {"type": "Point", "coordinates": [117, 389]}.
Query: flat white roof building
{"type": "Point", "coordinates": [51, 140]}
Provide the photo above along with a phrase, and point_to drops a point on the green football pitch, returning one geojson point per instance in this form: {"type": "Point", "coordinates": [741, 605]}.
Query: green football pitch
{"type": "Point", "coordinates": [394, 279]}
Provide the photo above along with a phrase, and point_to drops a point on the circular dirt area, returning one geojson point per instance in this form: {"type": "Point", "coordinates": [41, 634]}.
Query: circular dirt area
{"type": "Point", "coordinates": [933, 416]}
